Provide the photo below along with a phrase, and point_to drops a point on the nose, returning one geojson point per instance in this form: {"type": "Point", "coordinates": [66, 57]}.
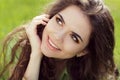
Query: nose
{"type": "Point", "coordinates": [60, 35]}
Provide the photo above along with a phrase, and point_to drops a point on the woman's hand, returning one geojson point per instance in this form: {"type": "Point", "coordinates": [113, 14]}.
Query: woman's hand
{"type": "Point", "coordinates": [31, 31]}
{"type": "Point", "coordinates": [33, 68]}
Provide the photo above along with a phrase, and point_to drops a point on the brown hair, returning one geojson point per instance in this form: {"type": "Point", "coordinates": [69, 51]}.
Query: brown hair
{"type": "Point", "coordinates": [96, 65]}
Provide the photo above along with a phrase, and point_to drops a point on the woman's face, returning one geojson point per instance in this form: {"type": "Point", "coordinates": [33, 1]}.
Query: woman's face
{"type": "Point", "coordinates": [66, 34]}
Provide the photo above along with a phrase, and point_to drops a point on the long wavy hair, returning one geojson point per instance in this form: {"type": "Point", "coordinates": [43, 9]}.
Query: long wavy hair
{"type": "Point", "coordinates": [96, 65]}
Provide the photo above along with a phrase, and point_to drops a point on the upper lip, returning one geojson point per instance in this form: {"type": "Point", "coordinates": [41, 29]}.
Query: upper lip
{"type": "Point", "coordinates": [53, 43]}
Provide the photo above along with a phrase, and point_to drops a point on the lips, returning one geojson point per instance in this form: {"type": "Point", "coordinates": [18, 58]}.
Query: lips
{"type": "Point", "coordinates": [52, 45]}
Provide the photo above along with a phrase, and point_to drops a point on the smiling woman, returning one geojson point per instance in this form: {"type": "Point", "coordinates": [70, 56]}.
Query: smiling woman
{"type": "Point", "coordinates": [74, 38]}
{"type": "Point", "coordinates": [66, 35]}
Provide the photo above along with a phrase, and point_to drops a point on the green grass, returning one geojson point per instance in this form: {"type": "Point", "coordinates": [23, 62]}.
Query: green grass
{"type": "Point", "coordinates": [114, 7]}
{"type": "Point", "coordinates": [15, 12]}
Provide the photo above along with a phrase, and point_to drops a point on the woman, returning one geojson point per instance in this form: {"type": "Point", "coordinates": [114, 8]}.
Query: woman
{"type": "Point", "coordinates": [74, 38]}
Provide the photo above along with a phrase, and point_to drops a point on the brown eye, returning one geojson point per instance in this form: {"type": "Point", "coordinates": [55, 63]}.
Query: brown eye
{"type": "Point", "coordinates": [59, 21]}
{"type": "Point", "coordinates": [74, 38]}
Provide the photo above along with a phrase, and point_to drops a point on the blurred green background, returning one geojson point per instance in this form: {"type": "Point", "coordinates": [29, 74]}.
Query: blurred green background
{"type": "Point", "coordinates": [16, 12]}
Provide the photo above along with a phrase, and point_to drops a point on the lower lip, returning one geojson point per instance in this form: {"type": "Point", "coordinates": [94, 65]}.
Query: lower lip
{"type": "Point", "coordinates": [51, 47]}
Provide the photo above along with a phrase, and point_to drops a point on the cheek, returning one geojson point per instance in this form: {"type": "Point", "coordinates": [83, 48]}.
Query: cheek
{"type": "Point", "coordinates": [71, 47]}
{"type": "Point", "coordinates": [52, 26]}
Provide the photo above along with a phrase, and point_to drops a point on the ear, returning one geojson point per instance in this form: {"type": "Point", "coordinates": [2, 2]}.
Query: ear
{"type": "Point", "coordinates": [82, 53]}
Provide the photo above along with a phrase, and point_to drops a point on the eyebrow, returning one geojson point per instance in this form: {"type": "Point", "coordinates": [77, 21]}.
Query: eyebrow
{"type": "Point", "coordinates": [73, 32]}
{"type": "Point", "coordinates": [78, 36]}
{"type": "Point", "coordinates": [61, 17]}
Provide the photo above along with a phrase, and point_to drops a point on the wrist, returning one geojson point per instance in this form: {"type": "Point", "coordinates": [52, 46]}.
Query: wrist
{"type": "Point", "coordinates": [36, 55]}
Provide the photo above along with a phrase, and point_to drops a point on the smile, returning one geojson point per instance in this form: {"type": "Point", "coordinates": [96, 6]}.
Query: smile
{"type": "Point", "coordinates": [51, 45]}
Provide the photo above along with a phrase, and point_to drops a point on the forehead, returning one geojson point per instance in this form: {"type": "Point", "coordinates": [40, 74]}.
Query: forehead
{"type": "Point", "coordinates": [73, 15]}
{"type": "Point", "coordinates": [76, 20]}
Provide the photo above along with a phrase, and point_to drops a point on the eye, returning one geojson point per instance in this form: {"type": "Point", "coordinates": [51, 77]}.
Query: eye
{"type": "Point", "coordinates": [59, 21]}
{"type": "Point", "coordinates": [74, 38]}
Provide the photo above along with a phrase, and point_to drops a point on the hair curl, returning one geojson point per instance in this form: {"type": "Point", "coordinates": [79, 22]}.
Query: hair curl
{"type": "Point", "coordinates": [96, 65]}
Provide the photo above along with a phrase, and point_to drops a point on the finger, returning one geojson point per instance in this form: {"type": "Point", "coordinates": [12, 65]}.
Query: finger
{"type": "Point", "coordinates": [43, 23]}
{"type": "Point", "coordinates": [41, 16]}
{"type": "Point", "coordinates": [39, 22]}
{"type": "Point", "coordinates": [32, 27]}
{"type": "Point", "coordinates": [46, 19]}
{"type": "Point", "coordinates": [47, 16]}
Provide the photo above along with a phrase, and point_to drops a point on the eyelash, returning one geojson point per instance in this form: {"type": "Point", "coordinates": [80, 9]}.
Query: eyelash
{"type": "Point", "coordinates": [74, 38]}
{"type": "Point", "coordinates": [59, 21]}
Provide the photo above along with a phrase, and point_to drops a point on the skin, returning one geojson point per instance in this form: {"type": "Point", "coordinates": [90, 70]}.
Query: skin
{"type": "Point", "coordinates": [61, 33]}
{"type": "Point", "coordinates": [57, 41]}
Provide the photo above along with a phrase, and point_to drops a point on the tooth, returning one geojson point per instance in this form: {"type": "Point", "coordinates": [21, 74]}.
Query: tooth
{"type": "Point", "coordinates": [52, 44]}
